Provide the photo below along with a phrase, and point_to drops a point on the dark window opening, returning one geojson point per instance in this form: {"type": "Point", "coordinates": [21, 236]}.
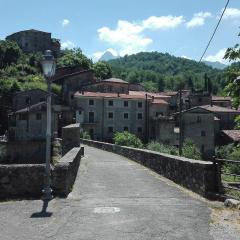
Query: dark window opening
{"type": "Point", "coordinates": [110, 129]}
{"type": "Point", "coordinates": [110, 115]}
{"type": "Point", "coordinates": [203, 133]}
{"type": "Point", "coordinates": [125, 129]}
{"type": "Point", "coordinates": [42, 99]}
{"type": "Point", "coordinates": [199, 119]}
{"type": "Point", "coordinates": [38, 116]}
{"type": "Point", "coordinates": [91, 117]}
{"type": "Point", "coordinates": [125, 103]}
{"type": "Point", "coordinates": [139, 116]}
{"type": "Point", "coordinates": [139, 104]}
{"type": "Point", "coordinates": [110, 103]}
{"type": "Point", "coordinates": [91, 102]}
{"type": "Point", "coordinates": [125, 115]}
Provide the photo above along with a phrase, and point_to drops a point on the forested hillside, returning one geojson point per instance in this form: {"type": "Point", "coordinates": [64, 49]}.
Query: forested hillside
{"type": "Point", "coordinates": [158, 72]}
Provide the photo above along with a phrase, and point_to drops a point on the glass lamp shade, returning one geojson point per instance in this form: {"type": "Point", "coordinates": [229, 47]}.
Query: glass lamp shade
{"type": "Point", "coordinates": [48, 64]}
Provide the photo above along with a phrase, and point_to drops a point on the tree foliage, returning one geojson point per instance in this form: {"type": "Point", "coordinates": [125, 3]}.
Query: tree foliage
{"type": "Point", "coordinates": [166, 71]}
{"type": "Point", "coordinates": [127, 139]}
{"type": "Point", "coordinates": [102, 70]}
{"type": "Point", "coordinates": [74, 57]}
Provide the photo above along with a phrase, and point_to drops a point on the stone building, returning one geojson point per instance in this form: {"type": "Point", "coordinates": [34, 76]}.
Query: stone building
{"type": "Point", "coordinates": [198, 125]}
{"type": "Point", "coordinates": [30, 123]}
{"type": "Point", "coordinates": [225, 115]}
{"type": "Point", "coordinates": [27, 98]}
{"type": "Point", "coordinates": [73, 82]}
{"type": "Point", "coordinates": [222, 101]}
{"type": "Point", "coordinates": [112, 85]}
{"type": "Point", "coordinates": [33, 41]}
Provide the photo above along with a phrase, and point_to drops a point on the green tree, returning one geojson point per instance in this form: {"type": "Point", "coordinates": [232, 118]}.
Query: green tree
{"type": "Point", "coordinates": [74, 57]}
{"type": "Point", "coordinates": [9, 53]}
{"type": "Point", "coordinates": [102, 70]}
{"type": "Point", "coordinates": [127, 139]}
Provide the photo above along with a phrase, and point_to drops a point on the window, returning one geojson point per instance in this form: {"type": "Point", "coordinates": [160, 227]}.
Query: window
{"type": "Point", "coordinates": [110, 129]}
{"type": "Point", "coordinates": [125, 129]}
{"type": "Point", "coordinates": [22, 116]}
{"type": "Point", "coordinates": [139, 116]}
{"type": "Point", "coordinates": [91, 102]}
{"type": "Point", "coordinates": [199, 119]}
{"type": "Point", "coordinates": [110, 115]}
{"type": "Point", "coordinates": [79, 112]}
{"type": "Point", "coordinates": [110, 103]}
{"type": "Point", "coordinates": [139, 130]}
{"type": "Point", "coordinates": [139, 104]}
{"type": "Point", "coordinates": [125, 104]}
{"type": "Point", "coordinates": [125, 115]}
{"type": "Point", "coordinates": [91, 117]}
{"type": "Point", "coordinates": [38, 116]}
{"type": "Point", "coordinates": [202, 149]}
{"type": "Point", "coordinates": [203, 133]}
{"type": "Point", "coordinates": [72, 96]}
{"type": "Point", "coordinates": [42, 99]}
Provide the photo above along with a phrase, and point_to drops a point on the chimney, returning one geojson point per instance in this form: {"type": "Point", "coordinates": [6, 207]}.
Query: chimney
{"type": "Point", "coordinates": [118, 94]}
{"type": "Point", "coordinates": [82, 92]}
{"type": "Point", "coordinates": [152, 98]}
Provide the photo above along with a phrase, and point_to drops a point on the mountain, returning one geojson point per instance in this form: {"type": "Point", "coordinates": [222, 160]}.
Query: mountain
{"type": "Point", "coordinates": [162, 71]}
{"type": "Point", "coordinates": [216, 65]}
{"type": "Point", "coordinates": [107, 56]}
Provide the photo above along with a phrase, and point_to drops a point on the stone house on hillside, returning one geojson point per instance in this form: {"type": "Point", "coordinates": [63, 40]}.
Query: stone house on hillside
{"type": "Point", "coordinates": [222, 101]}
{"type": "Point", "coordinates": [30, 123]}
{"type": "Point", "coordinates": [32, 41]}
{"type": "Point", "coordinates": [27, 98]}
{"type": "Point", "coordinates": [74, 82]}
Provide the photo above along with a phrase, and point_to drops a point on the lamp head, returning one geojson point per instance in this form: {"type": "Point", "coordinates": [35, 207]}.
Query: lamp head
{"type": "Point", "coordinates": [48, 64]}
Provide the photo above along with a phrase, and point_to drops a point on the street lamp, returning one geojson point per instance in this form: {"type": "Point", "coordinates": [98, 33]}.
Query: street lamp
{"type": "Point", "coordinates": [48, 67]}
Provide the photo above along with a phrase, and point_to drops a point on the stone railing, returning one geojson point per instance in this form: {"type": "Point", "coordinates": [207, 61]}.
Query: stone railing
{"type": "Point", "coordinates": [198, 176]}
{"type": "Point", "coordinates": [21, 181]}
{"type": "Point", "coordinates": [65, 172]}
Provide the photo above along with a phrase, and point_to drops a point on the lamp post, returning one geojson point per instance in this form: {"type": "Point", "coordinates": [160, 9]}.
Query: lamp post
{"type": "Point", "coordinates": [48, 67]}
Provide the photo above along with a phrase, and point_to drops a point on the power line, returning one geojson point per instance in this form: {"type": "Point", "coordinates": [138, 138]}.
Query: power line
{"type": "Point", "coordinates": [219, 21]}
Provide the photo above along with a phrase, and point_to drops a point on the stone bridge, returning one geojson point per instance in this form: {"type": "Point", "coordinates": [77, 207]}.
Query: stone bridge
{"type": "Point", "coordinates": [113, 198]}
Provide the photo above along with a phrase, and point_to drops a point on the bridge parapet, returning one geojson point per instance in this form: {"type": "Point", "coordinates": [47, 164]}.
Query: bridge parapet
{"type": "Point", "coordinates": [198, 176]}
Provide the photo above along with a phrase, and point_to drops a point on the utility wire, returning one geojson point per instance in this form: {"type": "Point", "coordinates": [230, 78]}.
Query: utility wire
{"type": "Point", "coordinates": [219, 21]}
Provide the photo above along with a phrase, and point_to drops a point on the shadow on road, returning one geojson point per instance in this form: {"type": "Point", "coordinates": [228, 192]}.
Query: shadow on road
{"type": "Point", "coordinates": [44, 213]}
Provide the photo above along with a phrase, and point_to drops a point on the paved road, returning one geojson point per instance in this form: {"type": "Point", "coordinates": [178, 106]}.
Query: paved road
{"type": "Point", "coordinates": [113, 199]}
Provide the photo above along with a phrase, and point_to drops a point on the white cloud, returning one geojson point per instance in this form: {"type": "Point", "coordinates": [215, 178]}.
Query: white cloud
{"type": "Point", "coordinates": [163, 22]}
{"type": "Point", "coordinates": [198, 19]}
{"type": "Point", "coordinates": [65, 22]}
{"type": "Point", "coordinates": [129, 38]}
{"type": "Point", "coordinates": [67, 45]}
{"type": "Point", "coordinates": [218, 57]}
{"type": "Point", "coordinates": [183, 56]}
{"type": "Point", "coordinates": [231, 13]}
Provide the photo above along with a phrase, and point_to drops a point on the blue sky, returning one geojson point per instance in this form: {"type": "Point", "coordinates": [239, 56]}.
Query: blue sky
{"type": "Point", "coordinates": [179, 27]}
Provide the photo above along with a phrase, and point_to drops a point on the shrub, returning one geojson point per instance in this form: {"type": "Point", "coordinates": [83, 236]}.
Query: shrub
{"type": "Point", "coordinates": [127, 139]}
{"type": "Point", "coordinates": [85, 135]}
{"type": "Point", "coordinates": [158, 147]}
{"type": "Point", "coordinates": [190, 150]}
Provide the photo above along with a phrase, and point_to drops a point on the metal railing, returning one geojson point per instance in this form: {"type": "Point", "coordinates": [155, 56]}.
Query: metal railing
{"type": "Point", "coordinates": [228, 177]}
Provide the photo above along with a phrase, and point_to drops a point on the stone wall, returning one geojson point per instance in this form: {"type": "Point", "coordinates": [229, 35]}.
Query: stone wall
{"type": "Point", "coordinates": [198, 176]}
{"type": "Point", "coordinates": [27, 180]}
{"type": "Point", "coordinates": [65, 172]}
{"type": "Point", "coordinates": [70, 137]}
{"type": "Point", "coordinates": [22, 152]}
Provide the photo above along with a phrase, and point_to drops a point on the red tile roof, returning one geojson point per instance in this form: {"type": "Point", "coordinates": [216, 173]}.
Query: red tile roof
{"type": "Point", "coordinates": [233, 134]}
{"type": "Point", "coordinates": [220, 98]}
{"type": "Point", "coordinates": [214, 108]}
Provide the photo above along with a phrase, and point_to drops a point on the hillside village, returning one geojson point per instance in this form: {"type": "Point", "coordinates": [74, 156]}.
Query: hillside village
{"type": "Point", "coordinates": [104, 107]}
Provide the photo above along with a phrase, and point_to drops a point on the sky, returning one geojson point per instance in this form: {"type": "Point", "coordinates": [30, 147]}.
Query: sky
{"type": "Point", "coordinates": [179, 27]}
